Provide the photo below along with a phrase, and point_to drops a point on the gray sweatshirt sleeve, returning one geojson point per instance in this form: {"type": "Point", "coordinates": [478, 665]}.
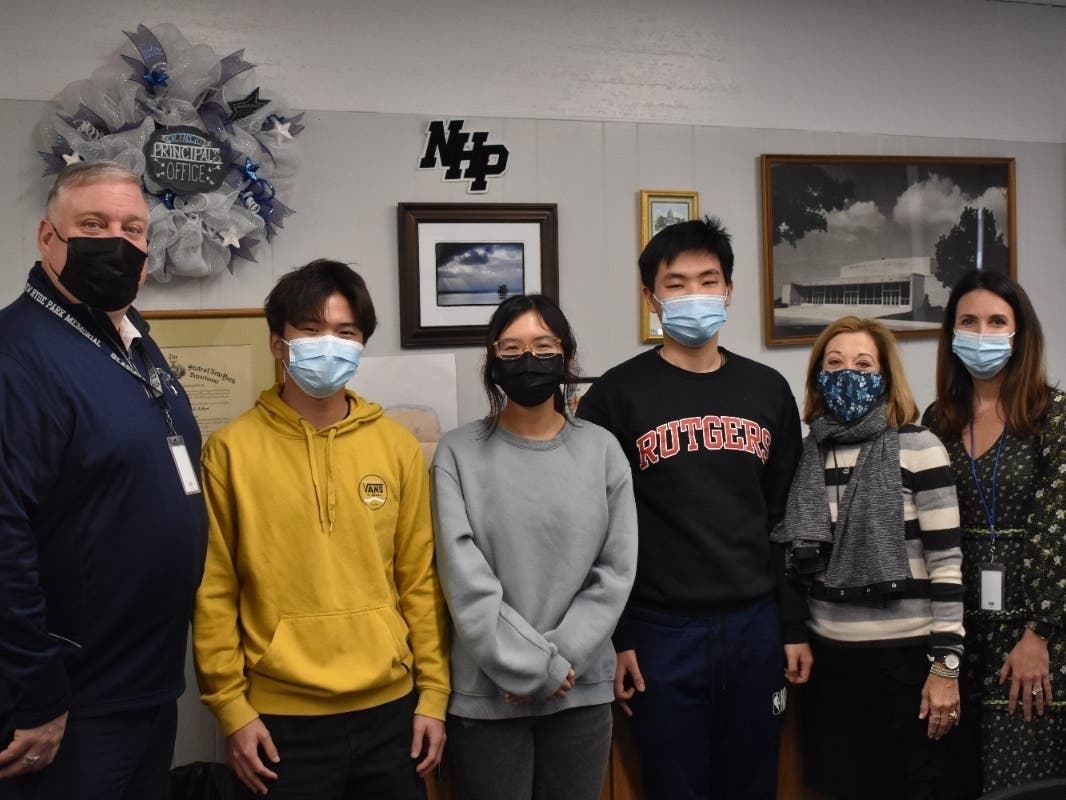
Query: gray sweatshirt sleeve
{"type": "Point", "coordinates": [506, 647]}
{"type": "Point", "coordinates": [591, 618]}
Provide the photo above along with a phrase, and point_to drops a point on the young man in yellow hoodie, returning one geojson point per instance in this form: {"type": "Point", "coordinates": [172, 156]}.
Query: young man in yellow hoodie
{"type": "Point", "coordinates": [320, 629]}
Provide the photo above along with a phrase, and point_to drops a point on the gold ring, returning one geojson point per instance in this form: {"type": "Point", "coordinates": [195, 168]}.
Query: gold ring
{"type": "Point", "coordinates": [954, 715]}
{"type": "Point", "coordinates": [31, 759]}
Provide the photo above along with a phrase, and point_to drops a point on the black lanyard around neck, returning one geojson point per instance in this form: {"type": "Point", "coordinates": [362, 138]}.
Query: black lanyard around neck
{"type": "Point", "coordinates": [153, 384]}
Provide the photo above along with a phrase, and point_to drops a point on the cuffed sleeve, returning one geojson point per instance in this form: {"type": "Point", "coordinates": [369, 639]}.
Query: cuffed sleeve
{"type": "Point", "coordinates": [933, 486]}
{"type": "Point", "coordinates": [216, 617]}
{"type": "Point", "coordinates": [419, 590]}
{"type": "Point", "coordinates": [1046, 565]}
{"type": "Point", "coordinates": [781, 464]}
{"type": "Point", "coordinates": [32, 437]}
{"type": "Point", "coordinates": [593, 613]}
{"type": "Point", "coordinates": [508, 649]}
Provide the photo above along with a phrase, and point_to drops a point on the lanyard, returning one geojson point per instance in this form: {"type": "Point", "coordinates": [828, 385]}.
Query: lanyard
{"type": "Point", "coordinates": [990, 509]}
{"type": "Point", "coordinates": [153, 385]}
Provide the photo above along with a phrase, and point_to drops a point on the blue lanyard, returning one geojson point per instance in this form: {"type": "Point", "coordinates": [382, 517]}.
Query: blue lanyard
{"type": "Point", "coordinates": [990, 511]}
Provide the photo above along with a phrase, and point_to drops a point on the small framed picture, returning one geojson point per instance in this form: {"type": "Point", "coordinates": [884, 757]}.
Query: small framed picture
{"type": "Point", "coordinates": [458, 261]}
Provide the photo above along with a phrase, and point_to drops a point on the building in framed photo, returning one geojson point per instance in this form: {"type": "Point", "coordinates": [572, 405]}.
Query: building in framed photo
{"type": "Point", "coordinates": [902, 291]}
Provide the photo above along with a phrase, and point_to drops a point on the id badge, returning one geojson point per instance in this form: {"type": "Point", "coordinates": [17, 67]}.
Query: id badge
{"type": "Point", "coordinates": [992, 587]}
{"type": "Point", "coordinates": [186, 473]}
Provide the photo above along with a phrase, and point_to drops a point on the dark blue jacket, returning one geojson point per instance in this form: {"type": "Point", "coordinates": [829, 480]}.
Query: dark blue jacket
{"type": "Point", "coordinates": [101, 550]}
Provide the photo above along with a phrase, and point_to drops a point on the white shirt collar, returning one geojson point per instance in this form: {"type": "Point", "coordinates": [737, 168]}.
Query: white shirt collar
{"type": "Point", "coordinates": [128, 332]}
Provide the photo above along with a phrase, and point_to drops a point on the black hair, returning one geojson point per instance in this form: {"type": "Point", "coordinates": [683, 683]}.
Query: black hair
{"type": "Point", "coordinates": [554, 319]}
{"type": "Point", "coordinates": [302, 294]}
{"type": "Point", "coordinates": [706, 235]}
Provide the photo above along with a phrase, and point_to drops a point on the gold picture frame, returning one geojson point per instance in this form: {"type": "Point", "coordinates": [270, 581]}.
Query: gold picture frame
{"type": "Point", "coordinates": [221, 357]}
{"type": "Point", "coordinates": [660, 208]}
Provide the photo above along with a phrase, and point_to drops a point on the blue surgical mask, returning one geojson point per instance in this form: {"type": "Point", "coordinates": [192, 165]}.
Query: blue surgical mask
{"type": "Point", "coordinates": [322, 365]}
{"type": "Point", "coordinates": [849, 394]}
{"type": "Point", "coordinates": [693, 319]}
{"type": "Point", "coordinates": [983, 354]}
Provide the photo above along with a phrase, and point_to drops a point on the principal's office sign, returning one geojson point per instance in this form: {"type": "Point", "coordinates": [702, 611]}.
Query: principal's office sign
{"type": "Point", "coordinates": [184, 160]}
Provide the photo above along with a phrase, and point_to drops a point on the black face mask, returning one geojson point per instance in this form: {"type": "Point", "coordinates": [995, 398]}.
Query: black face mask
{"type": "Point", "coordinates": [528, 380]}
{"type": "Point", "coordinates": [102, 271]}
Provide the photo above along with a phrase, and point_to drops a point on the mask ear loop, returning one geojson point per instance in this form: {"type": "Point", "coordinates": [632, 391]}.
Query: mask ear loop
{"type": "Point", "coordinates": [54, 228]}
{"type": "Point", "coordinates": [51, 267]}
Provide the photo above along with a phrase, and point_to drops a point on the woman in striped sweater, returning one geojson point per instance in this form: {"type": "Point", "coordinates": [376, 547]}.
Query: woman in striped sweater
{"type": "Point", "coordinates": [873, 529]}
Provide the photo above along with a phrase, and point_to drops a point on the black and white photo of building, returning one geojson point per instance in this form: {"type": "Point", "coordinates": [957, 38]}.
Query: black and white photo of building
{"type": "Point", "coordinates": [878, 237]}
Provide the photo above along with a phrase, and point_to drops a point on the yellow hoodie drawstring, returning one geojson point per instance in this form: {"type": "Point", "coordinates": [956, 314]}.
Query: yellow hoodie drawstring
{"type": "Point", "coordinates": [331, 483]}
{"type": "Point", "coordinates": [309, 439]}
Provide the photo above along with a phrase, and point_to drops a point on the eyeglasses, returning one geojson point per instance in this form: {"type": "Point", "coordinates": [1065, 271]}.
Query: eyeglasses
{"type": "Point", "coordinates": [542, 347]}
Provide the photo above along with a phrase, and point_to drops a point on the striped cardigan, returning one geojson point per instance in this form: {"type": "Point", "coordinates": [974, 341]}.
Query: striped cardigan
{"type": "Point", "coordinates": [930, 610]}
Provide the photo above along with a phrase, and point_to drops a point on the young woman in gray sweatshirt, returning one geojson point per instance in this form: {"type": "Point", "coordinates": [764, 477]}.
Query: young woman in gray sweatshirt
{"type": "Point", "coordinates": [536, 543]}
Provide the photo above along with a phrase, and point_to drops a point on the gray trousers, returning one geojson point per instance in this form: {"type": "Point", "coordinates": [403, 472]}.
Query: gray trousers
{"type": "Point", "coordinates": [561, 755]}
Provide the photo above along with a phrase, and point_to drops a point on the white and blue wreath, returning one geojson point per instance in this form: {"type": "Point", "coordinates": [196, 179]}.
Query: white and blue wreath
{"type": "Point", "coordinates": [214, 155]}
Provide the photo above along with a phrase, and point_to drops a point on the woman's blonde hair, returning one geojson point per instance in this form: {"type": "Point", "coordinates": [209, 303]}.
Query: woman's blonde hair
{"type": "Point", "coordinates": [901, 406]}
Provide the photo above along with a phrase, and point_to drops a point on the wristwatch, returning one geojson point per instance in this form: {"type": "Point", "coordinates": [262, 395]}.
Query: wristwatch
{"type": "Point", "coordinates": [951, 661]}
{"type": "Point", "coordinates": [1042, 629]}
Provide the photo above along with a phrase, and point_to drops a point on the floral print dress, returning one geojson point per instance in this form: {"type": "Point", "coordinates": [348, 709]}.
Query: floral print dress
{"type": "Point", "coordinates": [1031, 545]}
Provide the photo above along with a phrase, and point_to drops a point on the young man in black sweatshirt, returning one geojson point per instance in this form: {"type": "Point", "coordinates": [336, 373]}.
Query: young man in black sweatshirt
{"type": "Point", "coordinates": [713, 439]}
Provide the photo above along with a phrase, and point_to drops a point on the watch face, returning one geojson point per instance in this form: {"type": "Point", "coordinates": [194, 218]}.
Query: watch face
{"type": "Point", "coordinates": [951, 661]}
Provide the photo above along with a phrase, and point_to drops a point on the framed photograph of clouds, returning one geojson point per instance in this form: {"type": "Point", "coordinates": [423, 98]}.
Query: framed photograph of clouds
{"type": "Point", "coordinates": [458, 261]}
{"type": "Point", "coordinates": [878, 236]}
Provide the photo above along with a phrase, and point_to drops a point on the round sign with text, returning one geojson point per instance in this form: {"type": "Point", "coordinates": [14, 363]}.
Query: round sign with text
{"type": "Point", "coordinates": [184, 160]}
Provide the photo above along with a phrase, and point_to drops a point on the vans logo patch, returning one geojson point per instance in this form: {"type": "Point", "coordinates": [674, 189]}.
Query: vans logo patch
{"type": "Point", "coordinates": [373, 492]}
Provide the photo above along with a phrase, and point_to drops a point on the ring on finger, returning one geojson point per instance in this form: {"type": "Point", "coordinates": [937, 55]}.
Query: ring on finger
{"type": "Point", "coordinates": [31, 759]}
{"type": "Point", "coordinates": [954, 715]}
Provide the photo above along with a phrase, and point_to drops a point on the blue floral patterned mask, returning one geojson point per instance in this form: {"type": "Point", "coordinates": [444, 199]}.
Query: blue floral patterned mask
{"type": "Point", "coordinates": [850, 394]}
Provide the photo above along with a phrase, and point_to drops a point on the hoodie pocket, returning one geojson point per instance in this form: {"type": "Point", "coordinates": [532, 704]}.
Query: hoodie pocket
{"type": "Point", "coordinates": [338, 652]}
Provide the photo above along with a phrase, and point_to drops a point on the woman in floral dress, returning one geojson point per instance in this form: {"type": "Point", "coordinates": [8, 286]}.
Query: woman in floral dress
{"type": "Point", "coordinates": [1005, 430]}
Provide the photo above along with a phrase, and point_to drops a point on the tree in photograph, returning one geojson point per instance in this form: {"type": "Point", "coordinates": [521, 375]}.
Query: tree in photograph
{"type": "Point", "coordinates": [956, 250]}
{"type": "Point", "coordinates": [802, 196]}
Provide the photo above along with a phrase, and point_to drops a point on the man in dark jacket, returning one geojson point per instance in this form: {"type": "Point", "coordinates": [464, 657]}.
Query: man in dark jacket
{"type": "Point", "coordinates": [102, 527]}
